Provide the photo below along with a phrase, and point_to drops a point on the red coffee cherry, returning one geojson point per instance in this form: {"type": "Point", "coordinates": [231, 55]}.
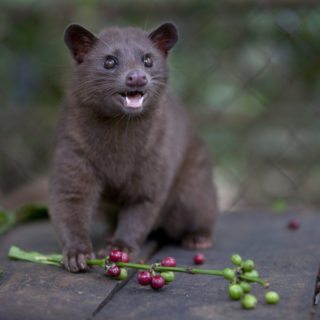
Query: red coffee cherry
{"type": "Point", "coordinates": [115, 255]}
{"type": "Point", "coordinates": [168, 262]}
{"type": "Point", "coordinates": [294, 224]}
{"type": "Point", "coordinates": [144, 277]}
{"type": "Point", "coordinates": [114, 271]}
{"type": "Point", "coordinates": [199, 258]}
{"type": "Point", "coordinates": [157, 282]}
{"type": "Point", "coordinates": [124, 257]}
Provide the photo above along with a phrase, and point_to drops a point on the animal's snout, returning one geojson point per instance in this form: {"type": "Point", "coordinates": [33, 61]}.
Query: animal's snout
{"type": "Point", "coordinates": [136, 78]}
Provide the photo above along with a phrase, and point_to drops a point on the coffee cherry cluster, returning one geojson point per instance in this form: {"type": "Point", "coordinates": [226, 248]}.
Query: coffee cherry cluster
{"type": "Point", "coordinates": [238, 288]}
{"type": "Point", "coordinates": [115, 271]}
{"type": "Point", "coordinates": [157, 281]}
{"type": "Point", "coordinates": [118, 256]}
{"type": "Point", "coordinates": [241, 277]}
{"type": "Point", "coordinates": [159, 274]}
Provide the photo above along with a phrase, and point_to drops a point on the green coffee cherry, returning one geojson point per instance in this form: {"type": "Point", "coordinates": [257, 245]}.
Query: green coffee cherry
{"type": "Point", "coordinates": [236, 259]}
{"type": "Point", "coordinates": [246, 287]}
{"type": "Point", "coordinates": [168, 276]}
{"type": "Point", "coordinates": [252, 273]}
{"type": "Point", "coordinates": [249, 301]}
{"type": "Point", "coordinates": [123, 274]}
{"type": "Point", "coordinates": [248, 265]}
{"type": "Point", "coordinates": [235, 291]}
{"type": "Point", "coordinates": [228, 274]}
{"type": "Point", "coordinates": [272, 297]}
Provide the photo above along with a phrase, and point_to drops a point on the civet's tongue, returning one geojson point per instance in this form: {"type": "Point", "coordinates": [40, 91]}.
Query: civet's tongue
{"type": "Point", "coordinates": [134, 101]}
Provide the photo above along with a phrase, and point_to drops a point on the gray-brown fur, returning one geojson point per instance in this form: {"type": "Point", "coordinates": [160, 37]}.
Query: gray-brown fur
{"type": "Point", "coordinates": [147, 161]}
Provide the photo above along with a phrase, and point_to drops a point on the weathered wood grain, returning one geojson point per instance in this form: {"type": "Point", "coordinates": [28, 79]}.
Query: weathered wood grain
{"type": "Point", "coordinates": [289, 259]}
{"type": "Point", "coordinates": [34, 291]}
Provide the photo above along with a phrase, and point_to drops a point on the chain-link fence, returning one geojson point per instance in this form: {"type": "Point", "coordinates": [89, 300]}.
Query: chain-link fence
{"type": "Point", "coordinates": [247, 71]}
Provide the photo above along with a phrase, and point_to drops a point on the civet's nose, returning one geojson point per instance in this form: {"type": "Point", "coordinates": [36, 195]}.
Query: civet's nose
{"type": "Point", "coordinates": [136, 78]}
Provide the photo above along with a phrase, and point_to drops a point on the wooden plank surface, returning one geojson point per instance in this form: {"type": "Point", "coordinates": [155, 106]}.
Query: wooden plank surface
{"type": "Point", "coordinates": [289, 259]}
{"type": "Point", "coordinates": [36, 291]}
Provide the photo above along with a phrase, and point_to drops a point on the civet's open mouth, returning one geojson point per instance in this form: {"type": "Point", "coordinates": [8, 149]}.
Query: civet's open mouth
{"type": "Point", "coordinates": [133, 99]}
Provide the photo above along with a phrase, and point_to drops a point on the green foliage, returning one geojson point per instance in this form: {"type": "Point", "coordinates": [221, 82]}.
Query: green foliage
{"type": "Point", "coordinates": [28, 212]}
{"type": "Point", "coordinates": [7, 221]}
{"type": "Point", "coordinates": [279, 205]}
{"type": "Point", "coordinates": [31, 212]}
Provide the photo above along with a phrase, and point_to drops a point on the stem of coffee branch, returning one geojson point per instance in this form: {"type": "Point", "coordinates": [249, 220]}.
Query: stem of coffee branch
{"type": "Point", "coordinates": [56, 259]}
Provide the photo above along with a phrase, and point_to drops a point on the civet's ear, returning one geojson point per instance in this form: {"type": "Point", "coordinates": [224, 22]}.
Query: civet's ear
{"type": "Point", "coordinates": [164, 37]}
{"type": "Point", "coordinates": [79, 40]}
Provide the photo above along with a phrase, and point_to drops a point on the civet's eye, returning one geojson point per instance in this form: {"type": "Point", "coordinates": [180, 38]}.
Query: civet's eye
{"type": "Point", "coordinates": [147, 61]}
{"type": "Point", "coordinates": [110, 62]}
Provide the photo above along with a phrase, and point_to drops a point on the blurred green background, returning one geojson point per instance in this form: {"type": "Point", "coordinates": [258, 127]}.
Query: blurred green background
{"type": "Point", "coordinates": [247, 71]}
